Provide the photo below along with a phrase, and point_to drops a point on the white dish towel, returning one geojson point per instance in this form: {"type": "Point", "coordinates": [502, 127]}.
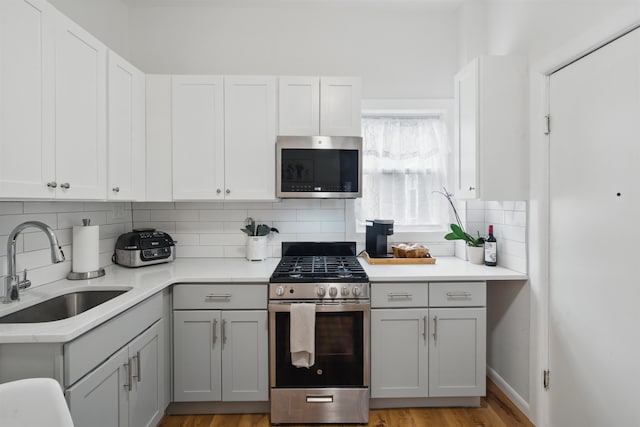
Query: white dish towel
{"type": "Point", "coordinates": [302, 335]}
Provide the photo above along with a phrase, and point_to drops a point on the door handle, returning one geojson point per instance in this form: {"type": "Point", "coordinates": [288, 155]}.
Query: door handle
{"type": "Point", "coordinates": [129, 385]}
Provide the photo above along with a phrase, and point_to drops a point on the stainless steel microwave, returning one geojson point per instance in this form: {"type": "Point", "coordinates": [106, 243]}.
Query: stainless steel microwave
{"type": "Point", "coordinates": [328, 167]}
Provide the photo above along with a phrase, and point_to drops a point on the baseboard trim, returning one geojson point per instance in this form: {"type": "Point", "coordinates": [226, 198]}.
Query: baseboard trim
{"type": "Point", "coordinates": [513, 396]}
{"type": "Point", "coordinates": [424, 402]}
{"type": "Point", "coordinates": [191, 408]}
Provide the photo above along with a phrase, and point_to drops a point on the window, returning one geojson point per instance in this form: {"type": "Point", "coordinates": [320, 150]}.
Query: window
{"type": "Point", "coordinates": [405, 159]}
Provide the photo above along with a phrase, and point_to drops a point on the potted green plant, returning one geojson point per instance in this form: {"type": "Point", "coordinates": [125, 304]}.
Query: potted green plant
{"type": "Point", "coordinates": [475, 245]}
{"type": "Point", "coordinates": [257, 235]}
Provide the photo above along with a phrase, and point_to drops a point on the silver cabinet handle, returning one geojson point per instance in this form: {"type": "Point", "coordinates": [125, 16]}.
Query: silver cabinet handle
{"type": "Point", "coordinates": [224, 331]}
{"type": "Point", "coordinates": [399, 295]}
{"type": "Point", "coordinates": [472, 188]}
{"type": "Point", "coordinates": [218, 191]}
{"type": "Point", "coordinates": [424, 333]}
{"type": "Point", "coordinates": [52, 184]}
{"type": "Point", "coordinates": [116, 189]}
{"type": "Point", "coordinates": [228, 191]}
{"type": "Point", "coordinates": [139, 376]}
{"type": "Point", "coordinates": [214, 337]}
{"type": "Point", "coordinates": [459, 294]}
{"type": "Point", "coordinates": [217, 296]}
{"type": "Point", "coordinates": [127, 365]}
{"type": "Point", "coordinates": [435, 328]}
{"type": "Point", "coordinates": [65, 185]}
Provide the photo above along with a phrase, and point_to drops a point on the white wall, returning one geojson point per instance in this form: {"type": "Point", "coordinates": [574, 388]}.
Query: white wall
{"type": "Point", "coordinates": [399, 51]}
{"type": "Point", "coordinates": [108, 20]}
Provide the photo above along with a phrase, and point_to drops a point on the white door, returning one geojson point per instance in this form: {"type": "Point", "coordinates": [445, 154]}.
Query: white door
{"type": "Point", "coordinates": [340, 106]}
{"type": "Point", "coordinates": [81, 82]}
{"type": "Point", "coordinates": [399, 345]}
{"type": "Point", "coordinates": [299, 105]}
{"type": "Point", "coordinates": [245, 356]}
{"type": "Point", "coordinates": [466, 131]}
{"type": "Point", "coordinates": [27, 125]}
{"type": "Point", "coordinates": [457, 351]}
{"type": "Point", "coordinates": [198, 137]}
{"type": "Point", "coordinates": [250, 137]}
{"type": "Point", "coordinates": [197, 355]}
{"type": "Point", "coordinates": [100, 398]}
{"type": "Point", "coordinates": [145, 406]}
{"type": "Point", "coordinates": [126, 130]}
{"type": "Point", "coordinates": [594, 340]}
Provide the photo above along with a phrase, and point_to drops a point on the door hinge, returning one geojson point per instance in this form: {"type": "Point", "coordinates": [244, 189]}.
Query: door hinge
{"type": "Point", "coordinates": [545, 379]}
{"type": "Point", "coordinates": [547, 124]}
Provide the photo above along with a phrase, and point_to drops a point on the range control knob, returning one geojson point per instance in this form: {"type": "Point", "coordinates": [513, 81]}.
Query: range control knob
{"type": "Point", "coordinates": [333, 291]}
{"type": "Point", "coordinates": [321, 291]}
{"type": "Point", "coordinates": [344, 291]}
{"type": "Point", "coordinates": [357, 291]}
{"type": "Point", "coordinates": [279, 291]}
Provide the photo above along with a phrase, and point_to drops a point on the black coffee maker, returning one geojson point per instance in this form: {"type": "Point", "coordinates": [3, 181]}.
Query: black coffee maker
{"type": "Point", "coordinates": [376, 237]}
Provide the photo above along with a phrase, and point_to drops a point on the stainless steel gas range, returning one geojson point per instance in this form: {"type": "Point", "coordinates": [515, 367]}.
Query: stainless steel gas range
{"type": "Point", "coordinates": [335, 387]}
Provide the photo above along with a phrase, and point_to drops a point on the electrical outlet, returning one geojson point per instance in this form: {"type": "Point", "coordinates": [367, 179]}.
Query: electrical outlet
{"type": "Point", "coordinates": [118, 211]}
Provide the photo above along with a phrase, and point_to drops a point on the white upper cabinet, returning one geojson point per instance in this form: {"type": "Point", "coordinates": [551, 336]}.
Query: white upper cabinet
{"type": "Point", "coordinates": [27, 62]}
{"type": "Point", "coordinates": [328, 106]}
{"type": "Point", "coordinates": [158, 139]}
{"type": "Point", "coordinates": [250, 137]}
{"type": "Point", "coordinates": [299, 105]}
{"type": "Point", "coordinates": [126, 130]}
{"type": "Point", "coordinates": [198, 137]}
{"type": "Point", "coordinates": [490, 148]}
{"type": "Point", "coordinates": [80, 110]}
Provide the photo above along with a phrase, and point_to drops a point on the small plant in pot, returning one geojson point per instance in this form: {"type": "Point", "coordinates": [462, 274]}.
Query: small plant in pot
{"type": "Point", "coordinates": [257, 239]}
{"type": "Point", "coordinates": [475, 245]}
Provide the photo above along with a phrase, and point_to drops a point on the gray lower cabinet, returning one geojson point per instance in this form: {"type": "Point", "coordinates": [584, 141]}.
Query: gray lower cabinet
{"type": "Point", "coordinates": [125, 389]}
{"type": "Point", "coordinates": [220, 354]}
{"type": "Point", "coordinates": [399, 353]}
{"type": "Point", "coordinates": [428, 339]}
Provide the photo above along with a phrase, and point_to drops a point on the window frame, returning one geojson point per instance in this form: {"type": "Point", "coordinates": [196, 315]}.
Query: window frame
{"type": "Point", "coordinates": [407, 108]}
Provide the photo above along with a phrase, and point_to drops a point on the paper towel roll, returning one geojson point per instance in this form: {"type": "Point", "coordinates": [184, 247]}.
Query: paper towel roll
{"type": "Point", "coordinates": [86, 248]}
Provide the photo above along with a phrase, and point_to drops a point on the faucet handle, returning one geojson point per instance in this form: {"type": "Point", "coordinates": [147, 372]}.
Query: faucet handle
{"type": "Point", "coordinates": [24, 283]}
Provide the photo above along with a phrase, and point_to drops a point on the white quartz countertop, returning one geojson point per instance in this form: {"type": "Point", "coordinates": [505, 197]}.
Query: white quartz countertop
{"type": "Point", "coordinates": [147, 281]}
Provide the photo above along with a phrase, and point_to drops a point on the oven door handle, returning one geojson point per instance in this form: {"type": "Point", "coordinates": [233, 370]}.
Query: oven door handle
{"type": "Point", "coordinates": [320, 399]}
{"type": "Point", "coordinates": [338, 307]}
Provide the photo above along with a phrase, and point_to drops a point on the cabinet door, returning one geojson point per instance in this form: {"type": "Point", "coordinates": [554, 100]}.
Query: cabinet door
{"type": "Point", "coordinates": [299, 106]}
{"type": "Point", "coordinates": [466, 131]}
{"type": "Point", "coordinates": [399, 366]}
{"type": "Point", "coordinates": [80, 99]}
{"type": "Point", "coordinates": [457, 352]}
{"type": "Point", "coordinates": [158, 139]}
{"type": "Point", "coordinates": [340, 106]}
{"type": "Point", "coordinates": [250, 137]}
{"type": "Point", "coordinates": [245, 356]}
{"type": "Point", "coordinates": [145, 407]}
{"type": "Point", "coordinates": [198, 137]}
{"type": "Point", "coordinates": [126, 118]}
{"type": "Point", "coordinates": [26, 98]}
{"type": "Point", "coordinates": [196, 356]}
{"type": "Point", "coordinates": [100, 398]}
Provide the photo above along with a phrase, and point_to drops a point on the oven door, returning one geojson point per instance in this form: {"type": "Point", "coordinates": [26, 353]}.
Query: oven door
{"type": "Point", "coordinates": [341, 347]}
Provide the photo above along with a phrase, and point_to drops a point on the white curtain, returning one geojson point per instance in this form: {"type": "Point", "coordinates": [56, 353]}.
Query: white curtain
{"type": "Point", "coordinates": [404, 162]}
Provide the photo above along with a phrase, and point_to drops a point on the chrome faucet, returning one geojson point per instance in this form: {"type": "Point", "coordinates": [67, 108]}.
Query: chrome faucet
{"type": "Point", "coordinates": [13, 284]}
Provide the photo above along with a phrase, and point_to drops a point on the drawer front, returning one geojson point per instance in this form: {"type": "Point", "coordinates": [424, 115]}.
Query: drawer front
{"type": "Point", "coordinates": [399, 294]}
{"type": "Point", "coordinates": [219, 297]}
{"type": "Point", "coordinates": [457, 294]}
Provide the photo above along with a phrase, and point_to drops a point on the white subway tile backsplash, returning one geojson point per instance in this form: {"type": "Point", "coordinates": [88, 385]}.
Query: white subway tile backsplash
{"type": "Point", "coordinates": [199, 227]}
{"type": "Point", "coordinates": [199, 251]}
{"type": "Point", "coordinates": [38, 240]}
{"type": "Point", "coordinates": [224, 239]}
{"type": "Point", "coordinates": [185, 239]}
{"type": "Point", "coordinates": [68, 220]}
{"type": "Point", "coordinates": [494, 216]}
{"type": "Point", "coordinates": [248, 205]}
{"type": "Point", "coordinates": [141, 216]}
{"type": "Point", "coordinates": [167, 227]}
{"type": "Point", "coordinates": [11, 208]}
{"type": "Point", "coordinates": [153, 205]}
{"type": "Point", "coordinates": [9, 222]}
{"type": "Point", "coordinates": [320, 215]}
{"type": "Point", "coordinates": [199, 205]}
{"type": "Point", "coordinates": [223, 215]}
{"type": "Point", "coordinates": [264, 215]}
{"type": "Point", "coordinates": [174, 215]}
{"type": "Point", "coordinates": [53, 207]}
{"type": "Point", "coordinates": [332, 227]}
{"type": "Point", "coordinates": [298, 204]}
{"type": "Point", "coordinates": [517, 218]}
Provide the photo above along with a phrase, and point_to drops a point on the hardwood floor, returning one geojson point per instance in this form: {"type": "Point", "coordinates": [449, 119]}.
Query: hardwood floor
{"type": "Point", "coordinates": [496, 411]}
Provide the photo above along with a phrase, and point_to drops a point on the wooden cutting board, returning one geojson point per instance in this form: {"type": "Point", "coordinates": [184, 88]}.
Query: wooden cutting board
{"type": "Point", "coordinates": [397, 261]}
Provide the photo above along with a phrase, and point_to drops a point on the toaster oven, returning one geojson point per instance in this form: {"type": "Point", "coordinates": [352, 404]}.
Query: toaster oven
{"type": "Point", "coordinates": [144, 246]}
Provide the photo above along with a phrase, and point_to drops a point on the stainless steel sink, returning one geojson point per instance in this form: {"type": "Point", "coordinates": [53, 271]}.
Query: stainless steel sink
{"type": "Point", "coordinates": [61, 307]}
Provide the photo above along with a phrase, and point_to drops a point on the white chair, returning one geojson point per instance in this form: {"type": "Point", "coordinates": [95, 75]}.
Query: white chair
{"type": "Point", "coordinates": [33, 402]}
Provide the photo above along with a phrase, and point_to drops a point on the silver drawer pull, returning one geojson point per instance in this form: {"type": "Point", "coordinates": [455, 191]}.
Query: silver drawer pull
{"type": "Point", "coordinates": [319, 399]}
{"type": "Point", "coordinates": [459, 294]}
{"type": "Point", "coordinates": [217, 296]}
{"type": "Point", "coordinates": [399, 295]}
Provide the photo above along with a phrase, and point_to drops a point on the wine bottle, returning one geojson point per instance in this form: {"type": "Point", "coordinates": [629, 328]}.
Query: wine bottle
{"type": "Point", "coordinates": [491, 249]}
